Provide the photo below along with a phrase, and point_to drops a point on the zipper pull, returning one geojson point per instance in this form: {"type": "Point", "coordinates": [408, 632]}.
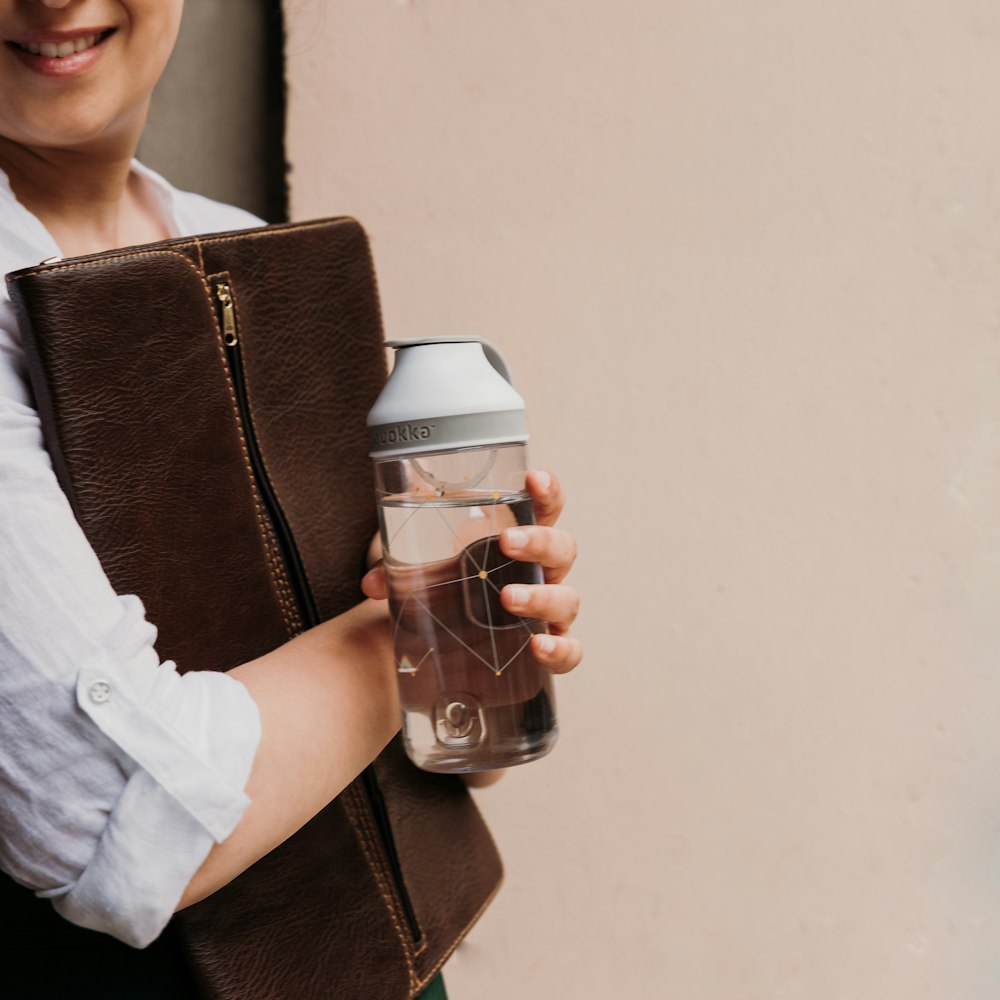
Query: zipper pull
{"type": "Point", "coordinates": [225, 296]}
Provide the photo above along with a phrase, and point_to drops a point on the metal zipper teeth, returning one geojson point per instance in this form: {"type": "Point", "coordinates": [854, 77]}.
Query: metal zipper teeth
{"type": "Point", "coordinates": [301, 592]}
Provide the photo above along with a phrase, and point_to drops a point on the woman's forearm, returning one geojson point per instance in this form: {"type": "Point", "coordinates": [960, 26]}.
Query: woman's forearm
{"type": "Point", "coordinates": [328, 705]}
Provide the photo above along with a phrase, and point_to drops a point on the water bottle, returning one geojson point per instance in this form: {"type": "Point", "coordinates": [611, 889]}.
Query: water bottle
{"type": "Point", "coordinates": [448, 439]}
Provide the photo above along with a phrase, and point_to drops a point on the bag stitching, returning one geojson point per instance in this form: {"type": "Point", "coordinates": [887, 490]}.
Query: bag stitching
{"type": "Point", "coordinates": [375, 866]}
{"type": "Point", "coordinates": [449, 951]}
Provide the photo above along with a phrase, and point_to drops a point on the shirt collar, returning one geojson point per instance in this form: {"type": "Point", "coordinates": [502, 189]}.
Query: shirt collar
{"type": "Point", "coordinates": [162, 194]}
{"type": "Point", "coordinates": [18, 218]}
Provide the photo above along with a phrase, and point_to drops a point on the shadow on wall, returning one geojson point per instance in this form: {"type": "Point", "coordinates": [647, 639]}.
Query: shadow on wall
{"type": "Point", "coordinates": [217, 121]}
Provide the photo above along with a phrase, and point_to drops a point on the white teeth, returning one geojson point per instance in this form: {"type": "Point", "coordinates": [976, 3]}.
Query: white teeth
{"type": "Point", "coordinates": [53, 50]}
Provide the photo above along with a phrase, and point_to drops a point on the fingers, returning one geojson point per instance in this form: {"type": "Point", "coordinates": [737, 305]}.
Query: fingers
{"type": "Point", "coordinates": [374, 584]}
{"type": "Point", "coordinates": [547, 493]}
{"type": "Point", "coordinates": [554, 603]}
{"type": "Point", "coordinates": [553, 548]}
{"type": "Point", "coordinates": [560, 654]}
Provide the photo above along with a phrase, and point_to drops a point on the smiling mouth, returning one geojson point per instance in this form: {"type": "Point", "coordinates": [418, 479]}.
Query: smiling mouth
{"type": "Point", "coordinates": [62, 49]}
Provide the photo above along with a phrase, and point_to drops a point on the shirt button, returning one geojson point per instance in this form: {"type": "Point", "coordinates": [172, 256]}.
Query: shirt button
{"type": "Point", "coordinates": [100, 692]}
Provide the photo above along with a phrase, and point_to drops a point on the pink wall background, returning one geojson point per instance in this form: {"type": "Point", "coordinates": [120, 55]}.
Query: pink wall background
{"type": "Point", "coordinates": [745, 262]}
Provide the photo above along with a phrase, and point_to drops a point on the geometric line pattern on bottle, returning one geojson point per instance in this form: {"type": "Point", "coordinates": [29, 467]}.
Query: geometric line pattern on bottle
{"type": "Point", "coordinates": [405, 665]}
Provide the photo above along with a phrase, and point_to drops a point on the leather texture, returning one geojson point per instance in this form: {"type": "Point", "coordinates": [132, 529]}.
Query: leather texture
{"type": "Point", "coordinates": [230, 489]}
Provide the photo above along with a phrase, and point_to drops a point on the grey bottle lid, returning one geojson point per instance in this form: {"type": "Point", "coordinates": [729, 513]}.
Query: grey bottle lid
{"type": "Point", "coordinates": [446, 393]}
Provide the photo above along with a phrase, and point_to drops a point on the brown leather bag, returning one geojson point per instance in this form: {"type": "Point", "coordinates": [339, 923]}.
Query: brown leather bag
{"type": "Point", "coordinates": [204, 404]}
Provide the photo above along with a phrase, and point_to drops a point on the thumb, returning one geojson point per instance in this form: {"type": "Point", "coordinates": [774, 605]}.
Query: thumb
{"type": "Point", "coordinates": [374, 585]}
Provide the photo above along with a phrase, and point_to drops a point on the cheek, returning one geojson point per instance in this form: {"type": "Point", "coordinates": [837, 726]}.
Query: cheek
{"type": "Point", "coordinates": [153, 33]}
{"type": "Point", "coordinates": [156, 22]}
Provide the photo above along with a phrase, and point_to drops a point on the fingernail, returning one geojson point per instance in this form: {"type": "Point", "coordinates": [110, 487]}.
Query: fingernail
{"type": "Point", "coordinates": [544, 480]}
{"type": "Point", "coordinates": [517, 597]}
{"type": "Point", "coordinates": [546, 644]}
{"type": "Point", "coordinates": [517, 538]}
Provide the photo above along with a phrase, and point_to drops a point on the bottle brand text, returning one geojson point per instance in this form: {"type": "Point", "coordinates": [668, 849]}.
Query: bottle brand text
{"type": "Point", "coordinates": [400, 434]}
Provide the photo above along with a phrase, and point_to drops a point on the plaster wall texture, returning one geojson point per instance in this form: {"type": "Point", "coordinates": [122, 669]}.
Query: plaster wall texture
{"type": "Point", "coordinates": [744, 260]}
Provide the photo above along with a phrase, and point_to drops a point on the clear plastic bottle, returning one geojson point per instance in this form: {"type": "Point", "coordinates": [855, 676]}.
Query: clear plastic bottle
{"type": "Point", "coordinates": [449, 444]}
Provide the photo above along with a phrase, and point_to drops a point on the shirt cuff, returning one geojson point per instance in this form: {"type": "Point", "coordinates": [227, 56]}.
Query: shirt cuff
{"type": "Point", "coordinates": [194, 739]}
{"type": "Point", "coordinates": [147, 855]}
{"type": "Point", "coordinates": [195, 734]}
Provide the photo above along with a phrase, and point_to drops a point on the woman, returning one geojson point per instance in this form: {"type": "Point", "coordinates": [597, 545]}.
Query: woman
{"type": "Point", "coordinates": [117, 826]}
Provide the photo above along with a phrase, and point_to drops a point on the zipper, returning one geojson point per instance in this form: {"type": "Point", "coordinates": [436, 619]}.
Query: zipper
{"type": "Point", "coordinates": [301, 592]}
{"type": "Point", "coordinates": [286, 542]}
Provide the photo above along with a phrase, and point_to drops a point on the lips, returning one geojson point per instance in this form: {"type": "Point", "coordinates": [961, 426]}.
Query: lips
{"type": "Point", "coordinates": [60, 53]}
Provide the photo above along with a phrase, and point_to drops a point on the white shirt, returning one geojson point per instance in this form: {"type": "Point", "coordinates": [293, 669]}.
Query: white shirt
{"type": "Point", "coordinates": [117, 774]}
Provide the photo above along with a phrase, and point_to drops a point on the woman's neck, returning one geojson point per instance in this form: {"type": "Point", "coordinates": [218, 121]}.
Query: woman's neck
{"type": "Point", "coordinates": [88, 202]}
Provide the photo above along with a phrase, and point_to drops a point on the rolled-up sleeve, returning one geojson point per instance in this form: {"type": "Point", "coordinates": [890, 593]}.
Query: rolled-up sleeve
{"type": "Point", "coordinates": [117, 773]}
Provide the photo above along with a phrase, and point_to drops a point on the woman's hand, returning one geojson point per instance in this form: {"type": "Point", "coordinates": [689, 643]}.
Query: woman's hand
{"type": "Point", "coordinates": [553, 601]}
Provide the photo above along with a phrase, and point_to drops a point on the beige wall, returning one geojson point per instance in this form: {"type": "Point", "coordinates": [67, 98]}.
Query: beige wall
{"type": "Point", "coordinates": [745, 261]}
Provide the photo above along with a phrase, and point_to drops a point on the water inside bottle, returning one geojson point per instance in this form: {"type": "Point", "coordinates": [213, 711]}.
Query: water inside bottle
{"type": "Point", "coordinates": [473, 696]}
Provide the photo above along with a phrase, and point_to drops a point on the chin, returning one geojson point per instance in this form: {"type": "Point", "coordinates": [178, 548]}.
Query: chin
{"type": "Point", "coordinates": [92, 134]}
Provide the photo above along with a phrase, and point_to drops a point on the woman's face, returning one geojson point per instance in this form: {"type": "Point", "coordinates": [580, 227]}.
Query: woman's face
{"type": "Point", "coordinates": [77, 74]}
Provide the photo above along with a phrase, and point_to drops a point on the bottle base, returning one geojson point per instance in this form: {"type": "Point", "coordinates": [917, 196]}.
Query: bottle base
{"type": "Point", "coordinates": [446, 761]}
{"type": "Point", "coordinates": [459, 735]}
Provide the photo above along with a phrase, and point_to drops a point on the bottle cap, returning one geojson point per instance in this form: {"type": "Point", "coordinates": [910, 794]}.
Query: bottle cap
{"type": "Point", "coordinates": [446, 393]}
